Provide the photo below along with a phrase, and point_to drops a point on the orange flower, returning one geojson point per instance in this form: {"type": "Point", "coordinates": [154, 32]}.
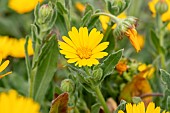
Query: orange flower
{"type": "Point", "coordinates": [132, 35]}
{"type": "Point", "coordinates": [121, 67]}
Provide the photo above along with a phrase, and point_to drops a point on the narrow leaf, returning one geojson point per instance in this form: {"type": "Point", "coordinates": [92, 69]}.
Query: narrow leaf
{"type": "Point", "coordinates": [110, 62]}
{"type": "Point", "coordinates": [46, 68]}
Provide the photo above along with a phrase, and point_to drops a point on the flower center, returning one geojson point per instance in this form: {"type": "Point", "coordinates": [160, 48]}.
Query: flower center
{"type": "Point", "coordinates": [84, 53]}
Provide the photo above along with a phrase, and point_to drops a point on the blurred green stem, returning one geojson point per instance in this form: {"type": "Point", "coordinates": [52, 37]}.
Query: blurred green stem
{"type": "Point", "coordinates": [114, 18]}
{"type": "Point", "coordinates": [161, 38]}
{"type": "Point", "coordinates": [101, 99]}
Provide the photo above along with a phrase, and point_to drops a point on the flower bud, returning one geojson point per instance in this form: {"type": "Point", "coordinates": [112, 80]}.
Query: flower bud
{"type": "Point", "coordinates": [124, 25]}
{"type": "Point", "coordinates": [45, 13]}
{"type": "Point", "coordinates": [67, 85]}
{"type": "Point", "coordinates": [97, 74]}
{"type": "Point", "coordinates": [116, 7]}
{"type": "Point", "coordinates": [161, 7]}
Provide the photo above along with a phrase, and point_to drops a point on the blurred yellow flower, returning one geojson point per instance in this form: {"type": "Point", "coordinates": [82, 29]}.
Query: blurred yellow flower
{"type": "Point", "coordinates": [141, 40]}
{"type": "Point", "coordinates": [18, 50]}
{"type": "Point", "coordinates": [5, 45]}
{"type": "Point", "coordinates": [105, 20]}
{"type": "Point", "coordinates": [140, 108]}
{"type": "Point", "coordinates": [147, 70]}
{"type": "Point", "coordinates": [165, 16]}
{"type": "Point", "coordinates": [82, 48]}
{"type": "Point", "coordinates": [23, 6]}
{"type": "Point", "coordinates": [131, 33]}
{"type": "Point", "coordinates": [80, 6]}
{"type": "Point", "coordinates": [3, 66]}
{"type": "Point", "coordinates": [12, 102]}
{"type": "Point", "coordinates": [14, 47]}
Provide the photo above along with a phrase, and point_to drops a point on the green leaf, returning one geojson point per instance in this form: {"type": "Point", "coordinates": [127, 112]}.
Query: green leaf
{"type": "Point", "coordinates": [46, 68]}
{"type": "Point", "coordinates": [86, 18]}
{"type": "Point", "coordinates": [156, 42]}
{"type": "Point", "coordinates": [121, 106]}
{"type": "Point", "coordinates": [95, 108]}
{"type": "Point", "coordinates": [110, 62]}
{"type": "Point", "coordinates": [61, 8]}
{"type": "Point", "coordinates": [164, 102]}
{"type": "Point", "coordinates": [165, 76]}
{"type": "Point", "coordinates": [59, 105]}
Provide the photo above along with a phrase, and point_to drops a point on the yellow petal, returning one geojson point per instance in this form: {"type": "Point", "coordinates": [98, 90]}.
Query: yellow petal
{"type": "Point", "coordinates": [69, 42]}
{"type": "Point", "coordinates": [68, 54]}
{"type": "Point", "coordinates": [1, 76]}
{"type": "Point", "coordinates": [129, 108]}
{"type": "Point", "coordinates": [99, 55]}
{"type": "Point", "coordinates": [74, 35]}
{"type": "Point", "coordinates": [66, 47]}
{"type": "Point", "coordinates": [120, 111]}
{"type": "Point", "coordinates": [157, 110]}
{"type": "Point", "coordinates": [72, 60]}
{"type": "Point", "coordinates": [100, 47]}
{"type": "Point", "coordinates": [141, 107]}
{"type": "Point", "coordinates": [4, 65]}
{"type": "Point", "coordinates": [150, 107]}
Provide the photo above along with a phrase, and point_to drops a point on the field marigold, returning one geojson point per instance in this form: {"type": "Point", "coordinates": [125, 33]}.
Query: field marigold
{"type": "Point", "coordinates": [23, 6]}
{"type": "Point", "coordinates": [82, 48]}
{"type": "Point", "coordinates": [11, 102]}
{"type": "Point", "coordinates": [3, 66]}
{"type": "Point", "coordinates": [140, 108]}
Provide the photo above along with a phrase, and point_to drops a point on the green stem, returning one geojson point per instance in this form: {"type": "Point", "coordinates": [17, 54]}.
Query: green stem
{"type": "Point", "coordinates": [114, 18]}
{"type": "Point", "coordinates": [101, 99]}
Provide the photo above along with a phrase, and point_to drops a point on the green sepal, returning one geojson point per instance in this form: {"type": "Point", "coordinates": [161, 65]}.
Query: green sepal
{"type": "Point", "coordinates": [136, 100]}
{"type": "Point", "coordinates": [121, 106]}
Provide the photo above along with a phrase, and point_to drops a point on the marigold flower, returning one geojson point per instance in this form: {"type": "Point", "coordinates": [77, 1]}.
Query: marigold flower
{"type": "Point", "coordinates": [3, 66]}
{"type": "Point", "coordinates": [131, 33]}
{"type": "Point", "coordinates": [82, 48]}
{"type": "Point", "coordinates": [140, 108]}
{"type": "Point", "coordinates": [147, 70]}
{"type": "Point", "coordinates": [11, 102]}
{"type": "Point", "coordinates": [165, 16]}
{"type": "Point", "coordinates": [23, 6]}
{"type": "Point", "coordinates": [121, 67]}
{"type": "Point", "coordinates": [80, 6]}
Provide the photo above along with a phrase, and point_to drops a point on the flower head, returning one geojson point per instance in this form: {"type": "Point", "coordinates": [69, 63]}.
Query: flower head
{"type": "Point", "coordinates": [23, 6]}
{"type": "Point", "coordinates": [152, 6]}
{"type": "Point", "coordinates": [147, 70]}
{"type": "Point", "coordinates": [11, 102]}
{"type": "Point", "coordinates": [82, 48]}
{"type": "Point", "coordinates": [3, 66]}
{"type": "Point", "coordinates": [80, 6]}
{"type": "Point", "coordinates": [121, 67]}
{"type": "Point", "coordinates": [140, 108]}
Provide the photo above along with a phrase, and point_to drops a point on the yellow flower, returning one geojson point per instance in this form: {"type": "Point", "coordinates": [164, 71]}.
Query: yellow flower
{"type": "Point", "coordinates": [5, 46]}
{"type": "Point", "coordinates": [3, 66]}
{"type": "Point", "coordinates": [14, 47]}
{"type": "Point", "coordinates": [17, 48]}
{"type": "Point", "coordinates": [82, 48]}
{"type": "Point", "coordinates": [140, 108]}
{"type": "Point", "coordinates": [131, 33]}
{"type": "Point", "coordinates": [165, 16]}
{"type": "Point", "coordinates": [80, 6]}
{"type": "Point", "coordinates": [105, 20]}
{"type": "Point", "coordinates": [147, 70]}
{"type": "Point", "coordinates": [11, 102]}
{"type": "Point", "coordinates": [23, 6]}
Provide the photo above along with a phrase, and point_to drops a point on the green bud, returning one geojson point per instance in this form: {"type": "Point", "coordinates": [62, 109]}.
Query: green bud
{"type": "Point", "coordinates": [67, 85]}
{"type": "Point", "coordinates": [97, 74]}
{"type": "Point", "coordinates": [161, 7]}
{"type": "Point", "coordinates": [45, 13]}
{"type": "Point", "coordinates": [116, 7]}
{"type": "Point", "coordinates": [124, 25]}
